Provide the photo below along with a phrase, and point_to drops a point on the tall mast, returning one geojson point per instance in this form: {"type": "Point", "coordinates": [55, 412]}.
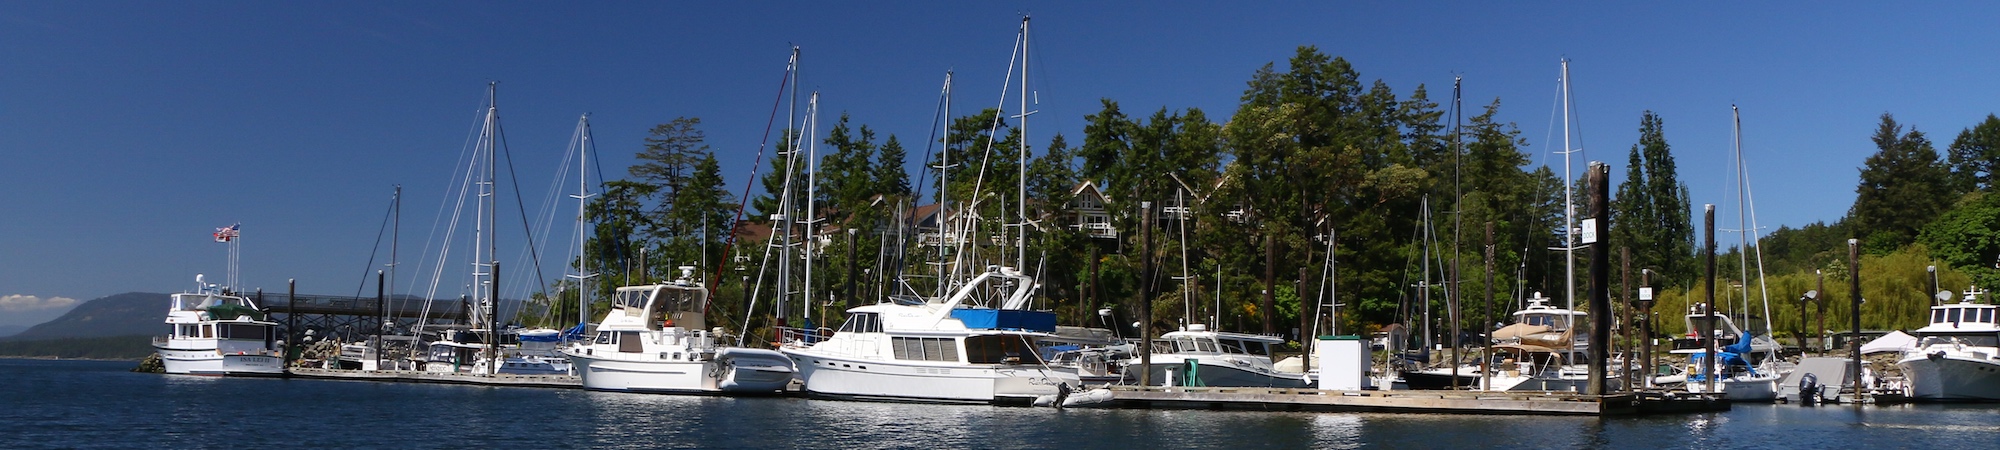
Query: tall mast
{"type": "Point", "coordinates": [944, 189]}
{"type": "Point", "coordinates": [812, 185]}
{"type": "Point", "coordinates": [582, 197]}
{"type": "Point", "coordinates": [483, 248]}
{"type": "Point", "coordinates": [1569, 209]}
{"type": "Point", "coordinates": [1744, 202]}
{"type": "Point", "coordinates": [1021, 205]}
{"type": "Point", "coordinates": [395, 237]}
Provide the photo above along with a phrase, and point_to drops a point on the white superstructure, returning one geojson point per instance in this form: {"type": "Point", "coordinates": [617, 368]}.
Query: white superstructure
{"type": "Point", "coordinates": [1957, 357]}
{"type": "Point", "coordinates": [215, 332]}
{"type": "Point", "coordinates": [654, 340]}
{"type": "Point", "coordinates": [946, 350]}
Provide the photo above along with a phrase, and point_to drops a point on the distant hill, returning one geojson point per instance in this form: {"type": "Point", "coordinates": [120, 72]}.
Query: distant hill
{"type": "Point", "coordinates": [127, 314]}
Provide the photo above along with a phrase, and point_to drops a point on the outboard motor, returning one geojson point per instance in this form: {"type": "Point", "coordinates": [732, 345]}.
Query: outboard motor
{"type": "Point", "coordinates": [1809, 390]}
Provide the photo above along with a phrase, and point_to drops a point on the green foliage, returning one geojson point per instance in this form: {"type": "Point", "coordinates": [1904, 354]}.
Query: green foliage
{"type": "Point", "coordinates": [1975, 156]}
{"type": "Point", "coordinates": [1651, 211]}
{"type": "Point", "coordinates": [1968, 238]}
{"type": "Point", "coordinates": [1903, 186]}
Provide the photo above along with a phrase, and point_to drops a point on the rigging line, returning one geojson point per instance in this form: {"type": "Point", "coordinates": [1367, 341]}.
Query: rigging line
{"type": "Point", "coordinates": [377, 249]}
{"type": "Point", "coordinates": [999, 116]}
{"type": "Point", "coordinates": [457, 212]}
{"type": "Point", "coordinates": [923, 176]}
{"type": "Point", "coordinates": [521, 207]}
{"type": "Point", "coordinates": [464, 152]}
{"type": "Point", "coordinates": [730, 245]}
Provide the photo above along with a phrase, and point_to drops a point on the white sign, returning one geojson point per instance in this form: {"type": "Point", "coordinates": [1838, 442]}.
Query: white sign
{"type": "Point", "coordinates": [1589, 231]}
{"type": "Point", "coordinates": [1645, 294]}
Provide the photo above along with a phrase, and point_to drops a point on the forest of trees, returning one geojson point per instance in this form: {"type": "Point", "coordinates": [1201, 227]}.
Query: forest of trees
{"type": "Point", "coordinates": [1314, 159]}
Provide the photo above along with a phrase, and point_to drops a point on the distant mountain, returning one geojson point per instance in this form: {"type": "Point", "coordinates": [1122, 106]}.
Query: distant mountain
{"type": "Point", "coordinates": [9, 330]}
{"type": "Point", "coordinates": [127, 314]}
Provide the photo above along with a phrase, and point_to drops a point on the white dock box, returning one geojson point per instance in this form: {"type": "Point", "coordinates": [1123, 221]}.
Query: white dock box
{"type": "Point", "coordinates": [1343, 363]}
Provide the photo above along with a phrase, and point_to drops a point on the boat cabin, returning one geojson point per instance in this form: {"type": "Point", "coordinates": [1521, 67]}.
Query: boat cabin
{"type": "Point", "coordinates": [1539, 313]}
{"type": "Point", "coordinates": [1196, 339]}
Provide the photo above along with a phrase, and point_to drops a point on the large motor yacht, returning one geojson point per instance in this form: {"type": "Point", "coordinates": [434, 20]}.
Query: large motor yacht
{"type": "Point", "coordinates": [943, 350]}
{"type": "Point", "coordinates": [1957, 357]}
{"type": "Point", "coordinates": [217, 332]}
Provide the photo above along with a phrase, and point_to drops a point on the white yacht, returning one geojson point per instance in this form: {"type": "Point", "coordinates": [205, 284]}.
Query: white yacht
{"type": "Point", "coordinates": [946, 350]}
{"type": "Point", "coordinates": [1542, 350]}
{"type": "Point", "coordinates": [1957, 357]}
{"type": "Point", "coordinates": [654, 340]}
{"type": "Point", "coordinates": [1197, 357]}
{"type": "Point", "coordinates": [1747, 367]}
{"type": "Point", "coordinates": [216, 332]}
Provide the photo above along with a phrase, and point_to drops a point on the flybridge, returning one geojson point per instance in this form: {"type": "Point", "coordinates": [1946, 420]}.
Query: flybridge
{"type": "Point", "coordinates": [1006, 319]}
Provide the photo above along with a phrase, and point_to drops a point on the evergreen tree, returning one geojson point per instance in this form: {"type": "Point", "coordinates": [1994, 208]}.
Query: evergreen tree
{"type": "Point", "coordinates": [1903, 186]}
{"type": "Point", "coordinates": [1651, 212]}
{"type": "Point", "coordinates": [1975, 155]}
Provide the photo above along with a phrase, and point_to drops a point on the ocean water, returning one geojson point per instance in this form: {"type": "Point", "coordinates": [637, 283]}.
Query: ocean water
{"type": "Point", "coordinates": [97, 404]}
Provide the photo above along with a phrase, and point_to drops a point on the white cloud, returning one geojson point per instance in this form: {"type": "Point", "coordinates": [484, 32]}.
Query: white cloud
{"type": "Point", "coordinates": [19, 302]}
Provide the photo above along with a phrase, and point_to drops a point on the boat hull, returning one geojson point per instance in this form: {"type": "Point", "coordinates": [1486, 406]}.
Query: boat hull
{"type": "Point", "coordinates": [751, 370]}
{"type": "Point", "coordinates": [1211, 374]}
{"type": "Point", "coordinates": [1944, 377]}
{"type": "Point", "coordinates": [626, 375]}
{"type": "Point", "coordinates": [927, 383]}
{"type": "Point", "coordinates": [213, 363]}
{"type": "Point", "coordinates": [1755, 389]}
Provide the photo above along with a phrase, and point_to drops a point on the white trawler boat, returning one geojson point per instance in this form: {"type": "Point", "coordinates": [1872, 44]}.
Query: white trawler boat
{"type": "Point", "coordinates": [216, 332]}
{"type": "Point", "coordinates": [1198, 357]}
{"type": "Point", "coordinates": [654, 340]}
{"type": "Point", "coordinates": [1957, 357]}
{"type": "Point", "coordinates": [938, 349]}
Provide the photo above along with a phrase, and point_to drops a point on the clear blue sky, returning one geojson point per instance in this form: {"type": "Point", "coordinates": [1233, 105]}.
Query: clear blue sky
{"type": "Point", "coordinates": [128, 131]}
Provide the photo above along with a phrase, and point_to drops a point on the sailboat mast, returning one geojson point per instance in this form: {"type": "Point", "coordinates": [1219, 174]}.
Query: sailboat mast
{"type": "Point", "coordinates": [1021, 205]}
{"type": "Point", "coordinates": [482, 248]}
{"type": "Point", "coordinates": [943, 216]}
{"type": "Point", "coordinates": [582, 234]}
{"type": "Point", "coordinates": [812, 216]}
{"type": "Point", "coordinates": [1744, 202]}
{"type": "Point", "coordinates": [1569, 209]}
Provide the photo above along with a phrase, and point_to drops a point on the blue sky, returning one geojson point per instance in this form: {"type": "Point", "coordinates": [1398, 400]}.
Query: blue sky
{"type": "Point", "coordinates": [128, 131]}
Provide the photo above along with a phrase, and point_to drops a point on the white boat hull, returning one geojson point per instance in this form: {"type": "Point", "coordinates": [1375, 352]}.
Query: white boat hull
{"type": "Point", "coordinates": [1223, 375]}
{"type": "Point", "coordinates": [631, 375]}
{"type": "Point", "coordinates": [749, 370]}
{"type": "Point", "coordinates": [1951, 378]}
{"type": "Point", "coordinates": [1742, 389]}
{"type": "Point", "coordinates": [211, 362]}
{"type": "Point", "coordinates": [937, 383]}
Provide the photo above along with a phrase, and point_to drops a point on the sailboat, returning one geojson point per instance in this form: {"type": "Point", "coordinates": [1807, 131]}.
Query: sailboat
{"type": "Point", "coordinates": [1747, 369]}
{"type": "Point", "coordinates": [483, 347]}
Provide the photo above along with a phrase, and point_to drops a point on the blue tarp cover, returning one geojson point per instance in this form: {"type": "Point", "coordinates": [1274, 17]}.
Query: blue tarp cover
{"type": "Point", "coordinates": [1006, 319]}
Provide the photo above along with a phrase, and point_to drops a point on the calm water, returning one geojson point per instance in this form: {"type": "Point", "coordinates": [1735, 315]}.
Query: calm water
{"type": "Point", "coordinates": [88, 404]}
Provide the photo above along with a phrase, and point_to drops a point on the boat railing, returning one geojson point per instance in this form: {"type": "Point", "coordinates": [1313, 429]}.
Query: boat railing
{"type": "Point", "coordinates": [788, 335]}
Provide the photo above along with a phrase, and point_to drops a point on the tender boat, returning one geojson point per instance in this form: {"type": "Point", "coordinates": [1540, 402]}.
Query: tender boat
{"type": "Point", "coordinates": [217, 332]}
{"type": "Point", "coordinates": [938, 350]}
{"type": "Point", "coordinates": [1957, 357]}
{"type": "Point", "coordinates": [653, 340]}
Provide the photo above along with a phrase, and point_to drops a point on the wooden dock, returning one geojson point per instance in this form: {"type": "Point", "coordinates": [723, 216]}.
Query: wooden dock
{"type": "Point", "coordinates": [1446, 402]}
{"type": "Point", "coordinates": [409, 376]}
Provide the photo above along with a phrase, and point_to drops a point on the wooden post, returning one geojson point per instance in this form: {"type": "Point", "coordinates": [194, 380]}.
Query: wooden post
{"type": "Point", "coordinates": [1820, 304]}
{"type": "Point", "coordinates": [1625, 315]}
{"type": "Point", "coordinates": [1708, 366]}
{"type": "Point", "coordinates": [1268, 306]}
{"type": "Point", "coordinates": [1146, 295]}
{"type": "Point", "coordinates": [853, 272]}
{"type": "Point", "coordinates": [291, 321]}
{"type": "Point", "coordinates": [1646, 328]}
{"type": "Point", "coordinates": [1486, 320]}
{"type": "Point", "coordinates": [1854, 290]}
{"type": "Point", "coordinates": [1305, 317]}
{"type": "Point", "coordinates": [1600, 274]}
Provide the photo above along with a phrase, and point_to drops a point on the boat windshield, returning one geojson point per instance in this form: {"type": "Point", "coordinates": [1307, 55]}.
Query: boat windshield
{"type": "Point", "coordinates": [635, 298]}
{"type": "Point", "coordinates": [1969, 340]}
{"type": "Point", "coordinates": [1552, 321]}
{"type": "Point", "coordinates": [1193, 345]}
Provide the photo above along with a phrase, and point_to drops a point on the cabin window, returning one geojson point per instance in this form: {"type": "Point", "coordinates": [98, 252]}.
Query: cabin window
{"type": "Point", "coordinates": [1258, 348]}
{"type": "Point", "coordinates": [604, 337]}
{"type": "Point", "coordinates": [1986, 315]}
{"type": "Point", "coordinates": [208, 331]}
{"type": "Point", "coordinates": [862, 323]}
{"type": "Point", "coordinates": [628, 342]}
{"type": "Point", "coordinates": [243, 331]}
{"type": "Point", "coordinates": [997, 348]}
{"type": "Point", "coordinates": [1937, 316]}
{"type": "Point", "coordinates": [1952, 314]}
{"type": "Point", "coordinates": [633, 298]}
{"type": "Point", "coordinates": [926, 349]}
